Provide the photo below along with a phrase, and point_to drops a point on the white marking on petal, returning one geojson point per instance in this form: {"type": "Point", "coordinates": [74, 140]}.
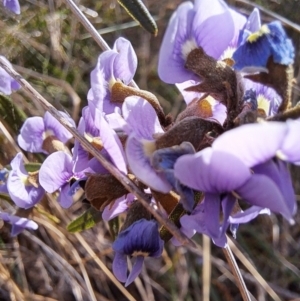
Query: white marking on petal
{"type": "Point", "coordinates": [187, 47]}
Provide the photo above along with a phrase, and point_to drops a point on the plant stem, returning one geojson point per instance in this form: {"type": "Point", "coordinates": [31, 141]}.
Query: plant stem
{"type": "Point", "coordinates": [237, 274]}
{"type": "Point", "coordinates": [91, 29]}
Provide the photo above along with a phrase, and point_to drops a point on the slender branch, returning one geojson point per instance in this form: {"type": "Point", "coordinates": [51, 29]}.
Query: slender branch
{"type": "Point", "coordinates": [237, 274]}
{"type": "Point", "coordinates": [56, 82]}
{"type": "Point", "coordinates": [87, 25]}
{"type": "Point", "coordinates": [91, 29]}
{"type": "Point", "coordinates": [127, 183]}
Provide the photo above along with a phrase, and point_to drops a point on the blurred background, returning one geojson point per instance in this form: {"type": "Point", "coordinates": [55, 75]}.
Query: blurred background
{"type": "Point", "coordinates": [53, 51]}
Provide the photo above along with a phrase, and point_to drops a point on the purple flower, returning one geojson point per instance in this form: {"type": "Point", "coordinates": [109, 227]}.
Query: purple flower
{"type": "Point", "coordinates": [256, 48]}
{"type": "Point", "coordinates": [99, 133]}
{"type": "Point", "coordinates": [120, 63]}
{"type": "Point", "coordinates": [139, 240]}
{"type": "Point", "coordinates": [36, 130]}
{"type": "Point", "coordinates": [266, 98]}
{"type": "Point", "coordinates": [7, 83]}
{"type": "Point", "coordinates": [56, 173]}
{"type": "Point", "coordinates": [240, 165]}
{"type": "Point", "coordinates": [12, 5]}
{"type": "Point", "coordinates": [208, 23]}
{"type": "Point", "coordinates": [18, 223]}
{"type": "Point", "coordinates": [142, 125]}
{"type": "Point", "coordinates": [23, 187]}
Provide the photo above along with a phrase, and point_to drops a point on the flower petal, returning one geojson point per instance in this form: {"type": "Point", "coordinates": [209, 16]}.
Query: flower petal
{"type": "Point", "coordinates": [31, 135]}
{"type": "Point", "coordinates": [261, 191]}
{"type": "Point", "coordinates": [125, 63]}
{"type": "Point", "coordinates": [55, 171]}
{"type": "Point", "coordinates": [119, 267]}
{"type": "Point", "coordinates": [213, 26]}
{"type": "Point", "coordinates": [211, 171]}
{"type": "Point", "coordinates": [59, 131]}
{"type": "Point", "coordinates": [248, 215]}
{"type": "Point", "coordinates": [253, 143]}
{"type": "Point", "coordinates": [171, 61]}
{"type": "Point", "coordinates": [140, 165]}
{"type": "Point", "coordinates": [136, 270]}
{"type": "Point", "coordinates": [141, 117]}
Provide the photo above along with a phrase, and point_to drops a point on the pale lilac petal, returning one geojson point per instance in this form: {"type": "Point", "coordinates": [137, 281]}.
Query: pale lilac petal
{"type": "Point", "coordinates": [31, 135]}
{"type": "Point", "coordinates": [136, 270]}
{"type": "Point", "coordinates": [55, 171]}
{"type": "Point", "coordinates": [253, 143]}
{"type": "Point", "coordinates": [24, 196]}
{"type": "Point", "coordinates": [227, 205]}
{"type": "Point", "coordinates": [212, 214]}
{"type": "Point", "coordinates": [171, 61]}
{"type": "Point", "coordinates": [188, 96]}
{"type": "Point", "coordinates": [261, 191]}
{"type": "Point", "coordinates": [7, 83]}
{"type": "Point", "coordinates": [141, 117]}
{"type": "Point", "coordinates": [211, 171]}
{"type": "Point", "coordinates": [58, 130]}
{"type": "Point", "coordinates": [18, 223]}
{"type": "Point", "coordinates": [248, 215]}
{"type": "Point", "coordinates": [213, 26]}
{"type": "Point", "coordinates": [125, 63]}
{"type": "Point", "coordinates": [111, 143]}
{"type": "Point", "coordinates": [111, 211]}
{"type": "Point", "coordinates": [253, 23]}
{"type": "Point", "coordinates": [12, 5]}
{"type": "Point", "coordinates": [239, 22]}
{"type": "Point", "coordinates": [64, 198]}
{"type": "Point", "coordinates": [140, 166]}
{"type": "Point", "coordinates": [278, 172]}
{"type": "Point", "coordinates": [119, 267]}
{"type": "Point", "coordinates": [290, 148]}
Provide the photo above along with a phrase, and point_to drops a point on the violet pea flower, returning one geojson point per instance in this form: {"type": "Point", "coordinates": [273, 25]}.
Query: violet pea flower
{"type": "Point", "coordinates": [23, 187]}
{"type": "Point", "coordinates": [139, 240]}
{"type": "Point", "coordinates": [18, 223]}
{"type": "Point", "coordinates": [37, 130]}
{"type": "Point", "coordinates": [119, 63]}
{"type": "Point", "coordinates": [56, 173]}
{"type": "Point", "coordinates": [206, 23]}
{"type": "Point", "coordinates": [240, 164]}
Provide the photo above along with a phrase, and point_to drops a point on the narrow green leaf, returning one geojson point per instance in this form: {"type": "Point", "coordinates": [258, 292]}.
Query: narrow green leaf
{"type": "Point", "coordinates": [85, 221]}
{"type": "Point", "coordinates": [139, 12]}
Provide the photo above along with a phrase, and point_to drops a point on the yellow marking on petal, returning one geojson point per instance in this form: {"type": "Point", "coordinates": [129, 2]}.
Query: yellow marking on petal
{"type": "Point", "coordinates": [149, 147]}
{"type": "Point", "coordinates": [187, 47]}
{"type": "Point", "coordinates": [205, 107]}
{"type": "Point", "coordinates": [24, 180]}
{"type": "Point", "coordinates": [95, 141]}
{"type": "Point", "coordinates": [140, 253]}
{"type": "Point", "coordinates": [263, 104]}
{"type": "Point", "coordinates": [111, 82]}
{"type": "Point", "coordinates": [256, 35]}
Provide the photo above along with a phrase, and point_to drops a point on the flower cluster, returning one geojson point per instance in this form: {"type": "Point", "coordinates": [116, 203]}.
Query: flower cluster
{"type": "Point", "coordinates": [220, 163]}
